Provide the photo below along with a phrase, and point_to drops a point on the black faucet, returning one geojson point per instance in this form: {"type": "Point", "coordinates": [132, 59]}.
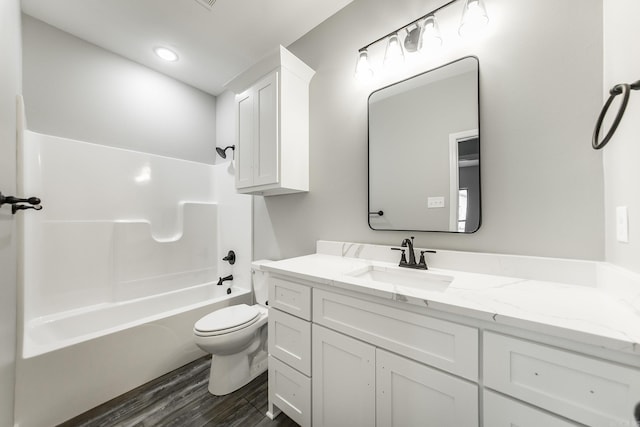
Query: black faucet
{"type": "Point", "coordinates": [221, 280]}
{"type": "Point", "coordinates": [420, 265]}
{"type": "Point", "coordinates": [408, 243]}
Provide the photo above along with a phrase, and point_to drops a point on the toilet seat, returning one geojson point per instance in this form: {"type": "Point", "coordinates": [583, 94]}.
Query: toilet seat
{"type": "Point", "coordinates": [227, 320]}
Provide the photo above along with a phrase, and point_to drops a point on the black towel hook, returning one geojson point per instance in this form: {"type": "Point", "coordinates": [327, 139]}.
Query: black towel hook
{"type": "Point", "coordinates": [623, 89]}
{"type": "Point", "coordinates": [19, 204]}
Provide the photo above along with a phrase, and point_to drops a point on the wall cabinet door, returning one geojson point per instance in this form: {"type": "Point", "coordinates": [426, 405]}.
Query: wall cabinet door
{"type": "Point", "coordinates": [245, 135]}
{"type": "Point", "coordinates": [265, 146]}
{"type": "Point", "coordinates": [343, 386]}
{"type": "Point", "coordinates": [257, 134]}
{"type": "Point", "coordinates": [411, 394]}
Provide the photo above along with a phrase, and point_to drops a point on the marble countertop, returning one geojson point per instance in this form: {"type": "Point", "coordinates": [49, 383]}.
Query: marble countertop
{"type": "Point", "coordinates": [581, 313]}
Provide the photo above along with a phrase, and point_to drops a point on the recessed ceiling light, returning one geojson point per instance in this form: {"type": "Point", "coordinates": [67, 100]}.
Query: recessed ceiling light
{"type": "Point", "coordinates": [166, 54]}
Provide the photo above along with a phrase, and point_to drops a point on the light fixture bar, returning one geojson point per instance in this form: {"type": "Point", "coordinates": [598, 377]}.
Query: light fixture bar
{"type": "Point", "coordinates": [406, 25]}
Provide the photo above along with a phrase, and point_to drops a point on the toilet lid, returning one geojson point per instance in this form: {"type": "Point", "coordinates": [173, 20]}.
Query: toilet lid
{"type": "Point", "coordinates": [232, 317]}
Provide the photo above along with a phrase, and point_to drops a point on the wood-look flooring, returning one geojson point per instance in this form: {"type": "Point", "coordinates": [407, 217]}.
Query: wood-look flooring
{"type": "Point", "coordinates": [180, 398]}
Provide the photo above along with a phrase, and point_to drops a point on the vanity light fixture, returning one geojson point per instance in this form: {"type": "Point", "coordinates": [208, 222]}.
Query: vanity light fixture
{"type": "Point", "coordinates": [166, 54]}
{"type": "Point", "coordinates": [363, 67]}
{"type": "Point", "coordinates": [474, 17]}
{"type": "Point", "coordinates": [422, 34]}
{"type": "Point", "coordinates": [431, 37]}
{"type": "Point", "coordinates": [393, 55]}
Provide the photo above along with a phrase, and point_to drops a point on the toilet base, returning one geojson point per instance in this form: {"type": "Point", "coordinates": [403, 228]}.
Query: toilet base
{"type": "Point", "coordinates": [229, 373]}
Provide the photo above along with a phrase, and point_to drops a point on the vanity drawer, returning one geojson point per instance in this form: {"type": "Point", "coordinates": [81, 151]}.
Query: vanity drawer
{"type": "Point", "coordinates": [444, 345]}
{"type": "Point", "coordinates": [290, 340]}
{"type": "Point", "coordinates": [581, 388]}
{"type": "Point", "coordinates": [290, 391]}
{"type": "Point", "coordinates": [500, 411]}
{"type": "Point", "coordinates": [290, 297]}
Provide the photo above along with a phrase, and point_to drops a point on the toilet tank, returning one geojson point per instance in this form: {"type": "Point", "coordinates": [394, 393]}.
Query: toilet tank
{"type": "Point", "coordinates": [260, 282]}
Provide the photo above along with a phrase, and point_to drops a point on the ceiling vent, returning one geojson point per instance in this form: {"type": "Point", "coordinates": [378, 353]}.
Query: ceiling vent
{"type": "Point", "coordinates": [206, 3]}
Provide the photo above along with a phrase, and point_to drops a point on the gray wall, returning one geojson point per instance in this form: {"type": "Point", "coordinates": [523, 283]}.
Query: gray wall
{"type": "Point", "coordinates": [78, 90]}
{"type": "Point", "coordinates": [10, 82]}
{"type": "Point", "coordinates": [540, 88]}
{"type": "Point", "coordinates": [621, 155]}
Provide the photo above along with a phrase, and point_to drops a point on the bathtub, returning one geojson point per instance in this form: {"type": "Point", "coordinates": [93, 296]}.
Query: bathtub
{"type": "Point", "coordinates": [77, 360]}
{"type": "Point", "coordinates": [56, 331]}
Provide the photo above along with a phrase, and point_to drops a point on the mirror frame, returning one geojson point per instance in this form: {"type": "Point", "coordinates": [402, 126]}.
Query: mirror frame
{"type": "Point", "coordinates": [369, 211]}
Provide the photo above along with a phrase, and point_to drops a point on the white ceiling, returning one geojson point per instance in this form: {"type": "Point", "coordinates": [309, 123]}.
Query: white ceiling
{"type": "Point", "coordinates": [214, 45]}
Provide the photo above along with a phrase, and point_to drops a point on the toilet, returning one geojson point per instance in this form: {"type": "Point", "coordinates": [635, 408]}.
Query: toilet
{"type": "Point", "coordinates": [236, 337]}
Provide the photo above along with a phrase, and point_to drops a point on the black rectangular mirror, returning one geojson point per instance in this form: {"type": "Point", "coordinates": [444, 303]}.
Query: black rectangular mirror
{"type": "Point", "coordinates": [424, 151]}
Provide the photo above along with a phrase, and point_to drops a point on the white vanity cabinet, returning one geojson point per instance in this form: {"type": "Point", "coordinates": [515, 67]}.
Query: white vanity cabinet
{"type": "Point", "coordinates": [370, 363]}
{"type": "Point", "coordinates": [348, 358]}
{"type": "Point", "coordinates": [358, 384]}
{"type": "Point", "coordinates": [289, 330]}
{"type": "Point", "coordinates": [272, 133]}
{"type": "Point", "coordinates": [358, 381]}
{"type": "Point", "coordinates": [582, 388]}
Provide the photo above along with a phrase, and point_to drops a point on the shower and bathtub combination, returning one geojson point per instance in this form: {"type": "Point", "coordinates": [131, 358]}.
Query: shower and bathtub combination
{"type": "Point", "coordinates": [116, 269]}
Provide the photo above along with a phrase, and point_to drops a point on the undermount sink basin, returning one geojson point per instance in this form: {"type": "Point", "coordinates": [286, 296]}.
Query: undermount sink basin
{"type": "Point", "coordinates": [419, 279]}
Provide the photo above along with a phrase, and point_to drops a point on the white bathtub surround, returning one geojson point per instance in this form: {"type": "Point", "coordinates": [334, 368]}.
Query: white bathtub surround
{"type": "Point", "coordinates": [118, 266]}
{"type": "Point", "coordinates": [567, 299]}
{"type": "Point", "coordinates": [104, 237]}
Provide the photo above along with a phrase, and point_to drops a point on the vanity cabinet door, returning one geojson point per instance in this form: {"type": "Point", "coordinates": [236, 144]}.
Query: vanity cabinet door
{"type": "Point", "coordinates": [412, 394]}
{"type": "Point", "coordinates": [500, 411]}
{"type": "Point", "coordinates": [343, 385]}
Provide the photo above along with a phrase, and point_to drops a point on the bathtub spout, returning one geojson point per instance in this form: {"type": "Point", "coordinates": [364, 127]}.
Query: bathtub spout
{"type": "Point", "coordinates": [221, 280]}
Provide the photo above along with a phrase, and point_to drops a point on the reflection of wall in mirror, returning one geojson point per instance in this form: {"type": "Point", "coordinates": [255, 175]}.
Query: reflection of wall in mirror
{"type": "Point", "coordinates": [410, 133]}
{"type": "Point", "coordinates": [464, 181]}
{"type": "Point", "coordinates": [469, 181]}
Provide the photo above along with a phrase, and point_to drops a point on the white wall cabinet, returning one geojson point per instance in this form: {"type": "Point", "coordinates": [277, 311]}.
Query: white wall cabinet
{"type": "Point", "coordinates": [272, 138]}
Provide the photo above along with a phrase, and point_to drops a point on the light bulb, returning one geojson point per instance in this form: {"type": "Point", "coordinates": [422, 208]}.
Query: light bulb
{"type": "Point", "coordinates": [394, 54]}
{"type": "Point", "coordinates": [474, 17]}
{"type": "Point", "coordinates": [364, 71]}
{"type": "Point", "coordinates": [431, 37]}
